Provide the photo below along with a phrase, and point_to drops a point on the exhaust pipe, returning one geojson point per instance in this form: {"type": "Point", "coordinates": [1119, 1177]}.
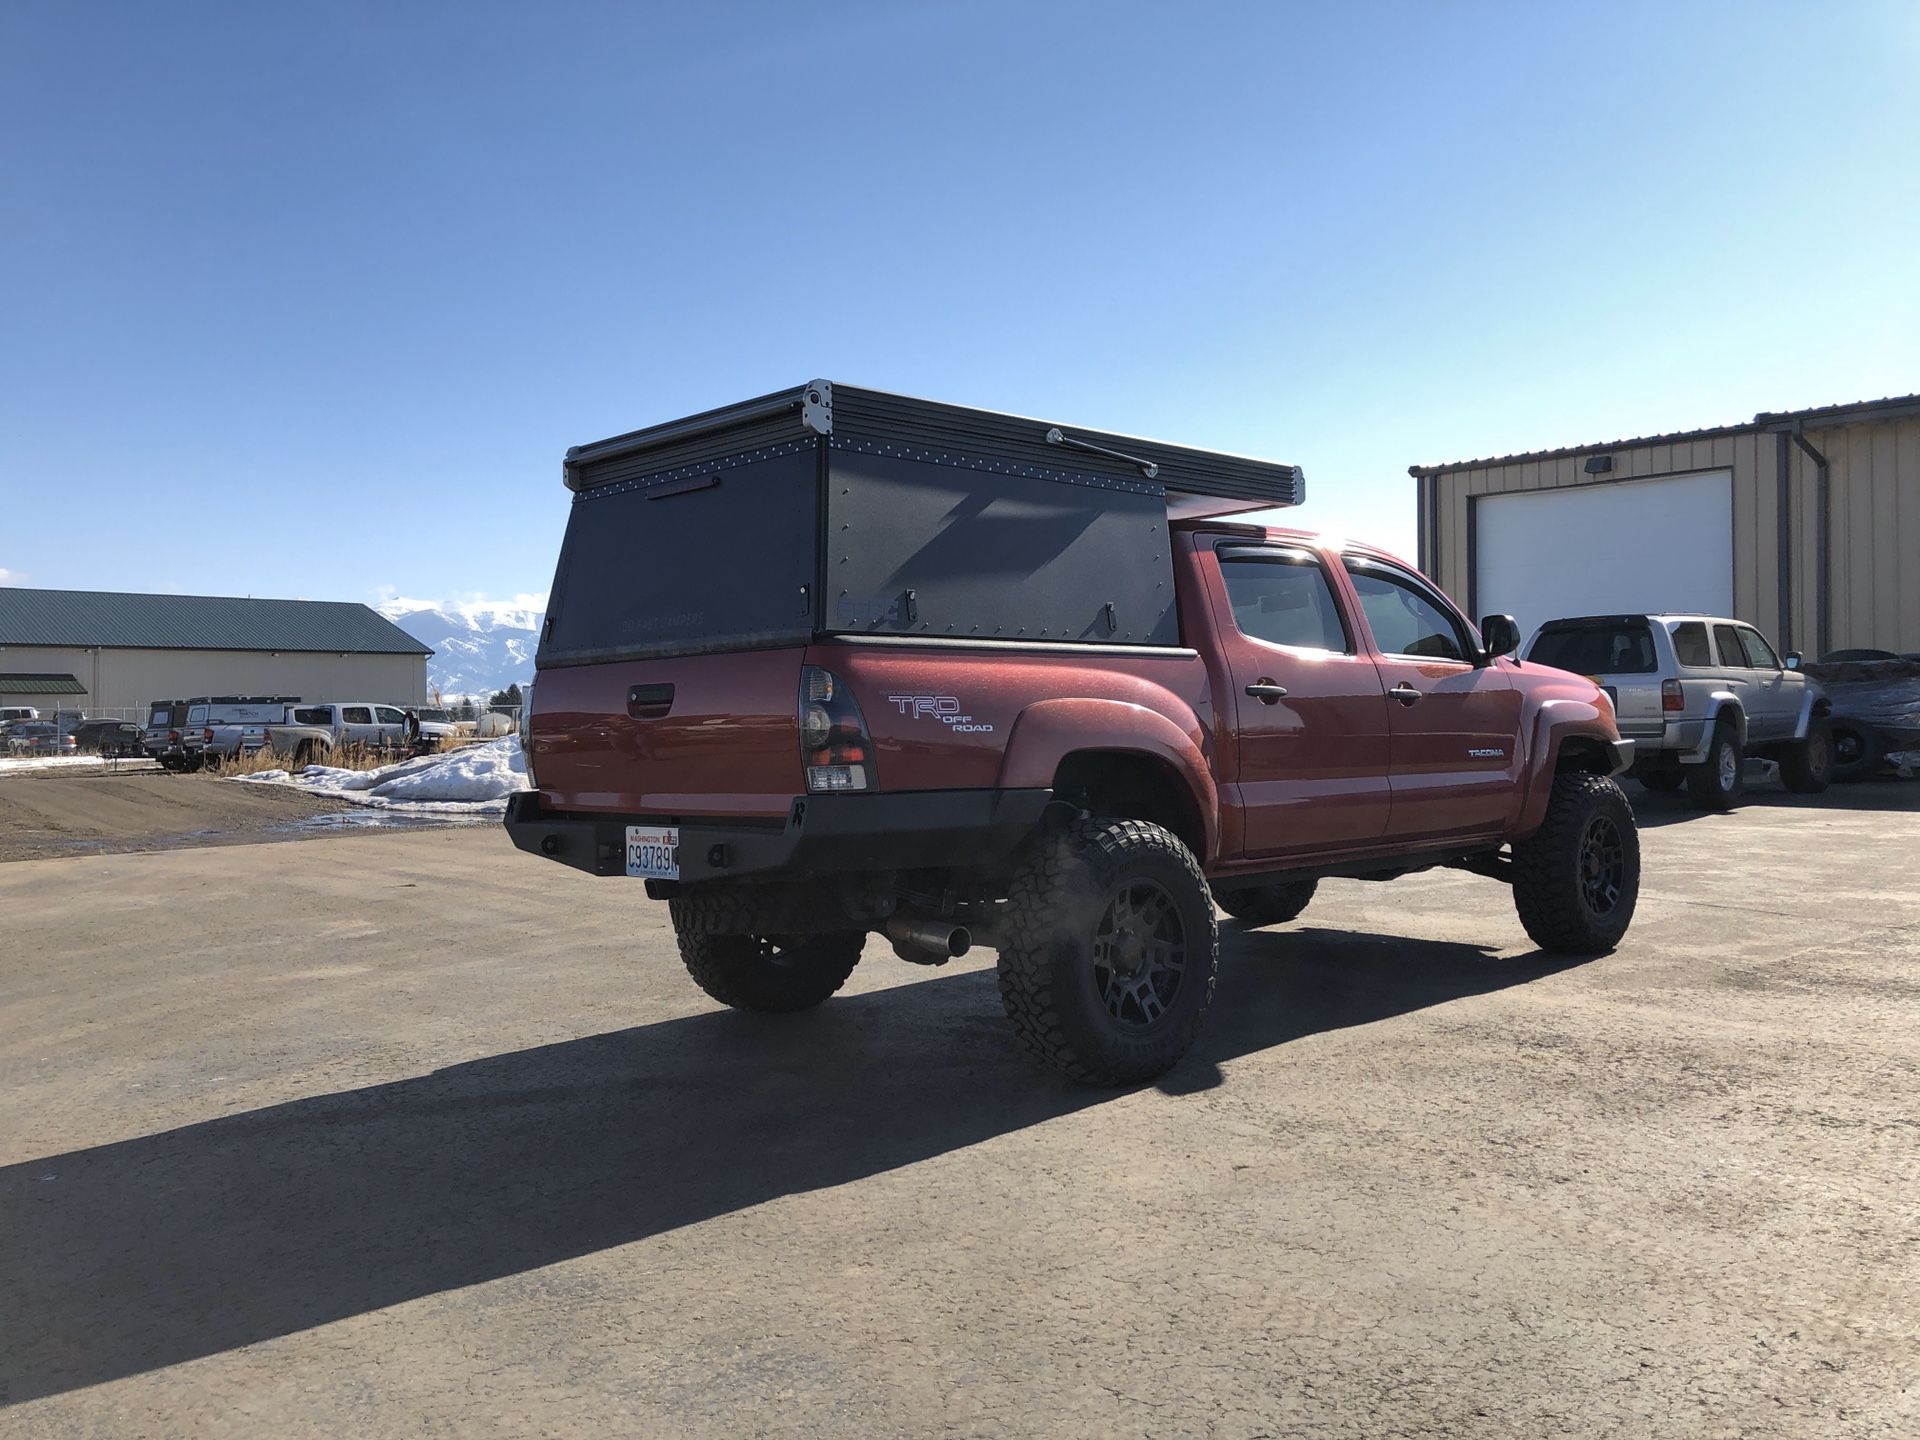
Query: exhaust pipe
{"type": "Point", "coordinates": [927, 942]}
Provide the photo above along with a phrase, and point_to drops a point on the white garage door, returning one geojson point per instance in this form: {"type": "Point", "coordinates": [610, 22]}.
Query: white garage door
{"type": "Point", "coordinates": [1611, 548]}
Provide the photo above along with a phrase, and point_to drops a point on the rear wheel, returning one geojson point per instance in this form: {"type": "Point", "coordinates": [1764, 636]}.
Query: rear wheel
{"type": "Point", "coordinates": [1109, 951]}
{"type": "Point", "coordinates": [1265, 904]}
{"type": "Point", "coordinates": [1856, 751]}
{"type": "Point", "coordinates": [1717, 782]}
{"type": "Point", "coordinates": [1806, 768]}
{"type": "Point", "coordinates": [770, 972]}
{"type": "Point", "coordinates": [1575, 883]}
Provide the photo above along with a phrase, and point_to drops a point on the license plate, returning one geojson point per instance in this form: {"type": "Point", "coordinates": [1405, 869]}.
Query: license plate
{"type": "Point", "coordinates": [653, 851]}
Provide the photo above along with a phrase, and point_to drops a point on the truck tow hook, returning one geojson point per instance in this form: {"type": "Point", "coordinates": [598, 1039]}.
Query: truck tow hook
{"type": "Point", "coordinates": [927, 942]}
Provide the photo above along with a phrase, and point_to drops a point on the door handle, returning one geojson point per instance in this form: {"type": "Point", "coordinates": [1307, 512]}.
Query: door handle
{"type": "Point", "coordinates": [649, 702]}
{"type": "Point", "coordinates": [1266, 692]}
{"type": "Point", "coordinates": [1404, 693]}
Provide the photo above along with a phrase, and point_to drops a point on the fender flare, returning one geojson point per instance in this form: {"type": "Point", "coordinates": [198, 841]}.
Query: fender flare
{"type": "Point", "coordinates": [1554, 723]}
{"type": "Point", "coordinates": [1048, 731]}
{"type": "Point", "coordinates": [1719, 702]}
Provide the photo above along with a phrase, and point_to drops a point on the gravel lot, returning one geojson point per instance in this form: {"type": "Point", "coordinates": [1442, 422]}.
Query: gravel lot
{"type": "Point", "coordinates": [410, 1134]}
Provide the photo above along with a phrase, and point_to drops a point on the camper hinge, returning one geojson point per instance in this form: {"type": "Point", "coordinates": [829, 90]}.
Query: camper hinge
{"type": "Point", "coordinates": [816, 407]}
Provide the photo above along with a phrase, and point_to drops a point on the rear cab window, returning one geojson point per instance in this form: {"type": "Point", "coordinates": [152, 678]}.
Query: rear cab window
{"type": "Point", "coordinates": [1612, 646]}
{"type": "Point", "coordinates": [1690, 647]}
{"type": "Point", "coordinates": [356, 715]}
{"type": "Point", "coordinates": [1406, 616]}
{"type": "Point", "coordinates": [1283, 597]}
{"type": "Point", "coordinates": [1733, 655]}
{"type": "Point", "coordinates": [313, 715]}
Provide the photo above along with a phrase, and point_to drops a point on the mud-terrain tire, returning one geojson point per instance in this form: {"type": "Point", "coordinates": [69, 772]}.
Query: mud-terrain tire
{"type": "Point", "coordinates": [1663, 782]}
{"type": "Point", "coordinates": [1265, 904]}
{"type": "Point", "coordinates": [1857, 751]}
{"type": "Point", "coordinates": [768, 972]}
{"type": "Point", "coordinates": [1716, 782]}
{"type": "Point", "coordinates": [1575, 882]}
{"type": "Point", "coordinates": [1109, 951]}
{"type": "Point", "coordinates": [1806, 766]}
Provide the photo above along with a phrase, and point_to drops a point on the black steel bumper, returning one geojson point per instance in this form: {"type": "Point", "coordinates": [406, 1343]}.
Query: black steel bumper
{"type": "Point", "coordinates": [821, 835]}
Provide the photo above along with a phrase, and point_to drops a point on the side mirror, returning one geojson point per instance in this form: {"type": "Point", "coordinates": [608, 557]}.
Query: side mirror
{"type": "Point", "coordinates": [1793, 659]}
{"type": "Point", "coordinates": [1500, 635]}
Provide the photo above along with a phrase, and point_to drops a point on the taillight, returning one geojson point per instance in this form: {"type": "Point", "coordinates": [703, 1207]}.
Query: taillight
{"type": "Point", "coordinates": [1670, 696]}
{"type": "Point", "coordinates": [834, 745]}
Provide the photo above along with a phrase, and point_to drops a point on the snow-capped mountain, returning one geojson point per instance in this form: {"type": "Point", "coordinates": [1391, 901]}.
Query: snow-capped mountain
{"type": "Point", "coordinates": [479, 646]}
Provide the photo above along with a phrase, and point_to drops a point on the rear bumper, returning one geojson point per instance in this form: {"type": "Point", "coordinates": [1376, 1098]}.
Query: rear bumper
{"type": "Point", "coordinates": [821, 835]}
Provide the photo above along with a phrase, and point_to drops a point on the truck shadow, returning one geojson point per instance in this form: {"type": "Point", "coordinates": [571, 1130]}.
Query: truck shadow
{"type": "Point", "coordinates": [148, 1252]}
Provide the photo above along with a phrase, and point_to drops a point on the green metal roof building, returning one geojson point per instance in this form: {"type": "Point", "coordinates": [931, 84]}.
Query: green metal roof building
{"type": "Point", "coordinates": [110, 654]}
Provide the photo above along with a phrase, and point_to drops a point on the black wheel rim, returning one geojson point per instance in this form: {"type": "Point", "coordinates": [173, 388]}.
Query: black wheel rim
{"type": "Point", "coordinates": [1846, 747]}
{"type": "Point", "coordinates": [1603, 865]}
{"type": "Point", "coordinates": [1139, 954]}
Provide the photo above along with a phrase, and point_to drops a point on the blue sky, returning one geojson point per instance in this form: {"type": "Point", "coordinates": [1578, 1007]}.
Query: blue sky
{"type": "Point", "coordinates": [309, 300]}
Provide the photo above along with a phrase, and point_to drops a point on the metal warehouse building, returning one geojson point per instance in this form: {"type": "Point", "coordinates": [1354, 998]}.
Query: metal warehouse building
{"type": "Point", "coordinates": [1805, 524]}
{"type": "Point", "coordinates": [110, 654]}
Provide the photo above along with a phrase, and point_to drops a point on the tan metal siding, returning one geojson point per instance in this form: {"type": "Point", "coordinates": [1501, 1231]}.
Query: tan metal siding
{"type": "Point", "coordinates": [1874, 473]}
{"type": "Point", "coordinates": [128, 679]}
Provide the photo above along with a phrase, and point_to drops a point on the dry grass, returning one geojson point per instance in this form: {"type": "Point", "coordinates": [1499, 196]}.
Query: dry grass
{"type": "Point", "coordinates": [340, 757]}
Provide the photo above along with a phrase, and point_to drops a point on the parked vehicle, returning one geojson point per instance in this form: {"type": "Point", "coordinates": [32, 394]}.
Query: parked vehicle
{"type": "Point", "coordinates": [162, 738]}
{"type": "Point", "coordinates": [40, 738]}
{"type": "Point", "coordinates": [9, 714]}
{"type": "Point", "coordinates": [835, 662]}
{"type": "Point", "coordinates": [1698, 695]}
{"type": "Point", "coordinates": [112, 738]}
{"type": "Point", "coordinates": [217, 725]}
{"type": "Point", "coordinates": [1876, 712]}
{"type": "Point", "coordinates": [307, 733]}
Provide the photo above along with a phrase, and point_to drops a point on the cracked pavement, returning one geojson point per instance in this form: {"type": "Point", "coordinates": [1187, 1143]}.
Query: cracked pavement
{"type": "Point", "coordinates": [410, 1133]}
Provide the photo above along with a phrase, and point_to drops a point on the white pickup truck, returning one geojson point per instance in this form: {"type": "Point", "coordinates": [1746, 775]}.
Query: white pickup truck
{"type": "Point", "coordinates": [309, 733]}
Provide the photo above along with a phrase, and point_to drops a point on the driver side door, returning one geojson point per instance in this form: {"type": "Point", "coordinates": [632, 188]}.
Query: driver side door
{"type": "Point", "coordinates": [1453, 719]}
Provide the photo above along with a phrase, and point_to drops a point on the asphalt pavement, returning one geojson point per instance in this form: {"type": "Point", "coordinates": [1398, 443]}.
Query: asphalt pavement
{"type": "Point", "coordinates": [411, 1134]}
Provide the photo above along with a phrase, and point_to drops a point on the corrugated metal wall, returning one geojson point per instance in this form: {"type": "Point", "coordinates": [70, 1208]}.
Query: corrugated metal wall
{"type": "Point", "coordinates": [1874, 475]}
{"type": "Point", "coordinates": [128, 679]}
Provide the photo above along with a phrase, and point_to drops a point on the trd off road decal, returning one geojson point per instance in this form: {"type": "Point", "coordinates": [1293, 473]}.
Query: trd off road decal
{"type": "Point", "coordinates": [944, 708]}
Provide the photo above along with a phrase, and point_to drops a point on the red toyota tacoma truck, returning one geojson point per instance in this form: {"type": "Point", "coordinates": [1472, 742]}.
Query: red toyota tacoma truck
{"type": "Point", "coordinates": [833, 663]}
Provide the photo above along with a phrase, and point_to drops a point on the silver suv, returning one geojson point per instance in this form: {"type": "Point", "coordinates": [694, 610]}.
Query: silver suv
{"type": "Point", "coordinates": [1697, 694]}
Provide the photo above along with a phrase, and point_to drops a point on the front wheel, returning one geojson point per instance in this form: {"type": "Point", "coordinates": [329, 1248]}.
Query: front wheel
{"type": "Point", "coordinates": [1575, 882]}
{"type": "Point", "coordinates": [1110, 950]}
{"type": "Point", "coordinates": [766, 972]}
{"type": "Point", "coordinates": [1806, 768]}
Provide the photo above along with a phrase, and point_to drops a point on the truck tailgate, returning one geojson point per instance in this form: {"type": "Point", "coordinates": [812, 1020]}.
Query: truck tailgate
{"type": "Point", "coordinates": [690, 735]}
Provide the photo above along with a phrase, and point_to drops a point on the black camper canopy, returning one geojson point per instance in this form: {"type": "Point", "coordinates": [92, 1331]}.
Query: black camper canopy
{"type": "Point", "coordinates": [831, 510]}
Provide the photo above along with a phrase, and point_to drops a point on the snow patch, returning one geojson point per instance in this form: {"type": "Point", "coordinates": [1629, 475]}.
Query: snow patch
{"type": "Point", "coordinates": [474, 779]}
{"type": "Point", "coordinates": [23, 764]}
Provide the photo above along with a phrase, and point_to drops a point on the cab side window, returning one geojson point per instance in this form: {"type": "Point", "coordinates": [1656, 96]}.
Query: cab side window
{"type": "Point", "coordinates": [1690, 644]}
{"type": "Point", "coordinates": [356, 715]}
{"type": "Point", "coordinates": [1404, 620]}
{"type": "Point", "coordinates": [1759, 654]}
{"type": "Point", "coordinates": [1284, 598]}
{"type": "Point", "coordinates": [390, 716]}
{"type": "Point", "coordinates": [1733, 655]}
